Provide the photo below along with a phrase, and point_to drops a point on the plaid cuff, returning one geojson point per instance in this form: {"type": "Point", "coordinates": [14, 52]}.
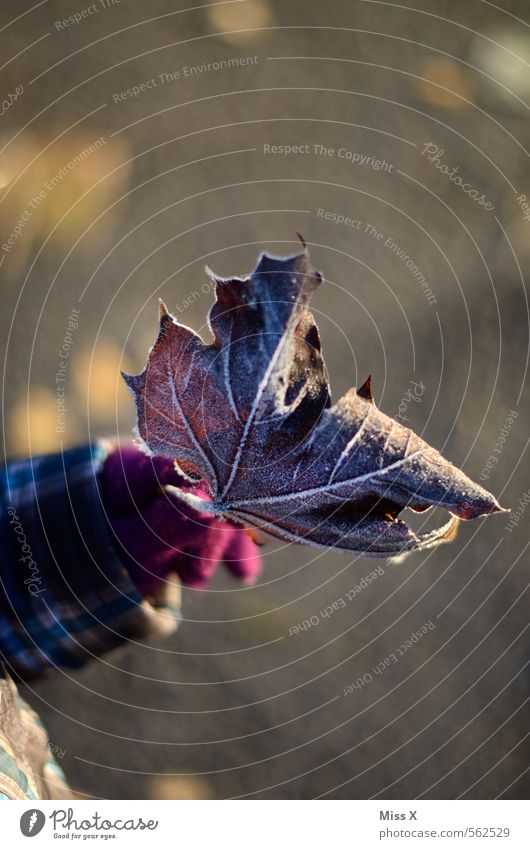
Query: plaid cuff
{"type": "Point", "coordinates": [65, 596]}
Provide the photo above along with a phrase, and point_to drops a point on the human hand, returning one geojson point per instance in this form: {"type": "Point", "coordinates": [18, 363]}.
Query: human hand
{"type": "Point", "coordinates": [157, 534]}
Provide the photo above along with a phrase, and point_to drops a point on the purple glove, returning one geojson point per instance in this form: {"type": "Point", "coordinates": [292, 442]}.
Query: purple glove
{"type": "Point", "coordinates": [157, 534]}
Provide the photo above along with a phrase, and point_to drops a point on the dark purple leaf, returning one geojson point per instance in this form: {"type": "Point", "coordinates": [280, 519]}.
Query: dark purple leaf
{"type": "Point", "coordinates": [251, 415]}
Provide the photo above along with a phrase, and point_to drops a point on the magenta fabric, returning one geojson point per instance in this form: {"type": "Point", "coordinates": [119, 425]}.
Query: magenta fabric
{"type": "Point", "coordinates": [157, 534]}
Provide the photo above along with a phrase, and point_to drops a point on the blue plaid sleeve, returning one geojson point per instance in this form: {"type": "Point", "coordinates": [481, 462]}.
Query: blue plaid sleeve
{"type": "Point", "coordinates": [65, 597]}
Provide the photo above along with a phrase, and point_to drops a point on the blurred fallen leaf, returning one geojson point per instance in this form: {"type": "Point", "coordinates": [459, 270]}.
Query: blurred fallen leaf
{"type": "Point", "coordinates": [445, 84]}
{"type": "Point", "coordinates": [98, 384]}
{"type": "Point", "coordinates": [179, 787]}
{"type": "Point", "coordinates": [32, 425]}
{"type": "Point", "coordinates": [249, 15]}
{"type": "Point", "coordinates": [505, 56]}
{"type": "Point", "coordinates": [43, 185]}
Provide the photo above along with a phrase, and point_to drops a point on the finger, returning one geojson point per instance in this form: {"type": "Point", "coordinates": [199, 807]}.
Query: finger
{"type": "Point", "coordinates": [242, 558]}
{"type": "Point", "coordinates": [195, 572]}
{"type": "Point", "coordinates": [196, 565]}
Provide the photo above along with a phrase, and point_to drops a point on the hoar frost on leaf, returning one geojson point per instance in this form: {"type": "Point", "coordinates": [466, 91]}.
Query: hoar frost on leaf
{"type": "Point", "coordinates": [251, 414]}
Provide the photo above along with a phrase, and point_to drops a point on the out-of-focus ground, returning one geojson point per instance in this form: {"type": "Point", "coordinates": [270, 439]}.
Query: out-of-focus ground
{"type": "Point", "coordinates": [180, 177]}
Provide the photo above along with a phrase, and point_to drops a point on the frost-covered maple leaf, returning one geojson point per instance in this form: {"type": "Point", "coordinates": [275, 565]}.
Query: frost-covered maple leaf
{"type": "Point", "coordinates": [251, 415]}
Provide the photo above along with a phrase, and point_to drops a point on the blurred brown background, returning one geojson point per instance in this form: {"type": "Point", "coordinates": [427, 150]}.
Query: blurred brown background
{"type": "Point", "coordinates": [180, 107]}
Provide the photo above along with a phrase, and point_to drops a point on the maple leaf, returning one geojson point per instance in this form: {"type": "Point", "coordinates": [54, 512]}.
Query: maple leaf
{"type": "Point", "coordinates": [251, 415]}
